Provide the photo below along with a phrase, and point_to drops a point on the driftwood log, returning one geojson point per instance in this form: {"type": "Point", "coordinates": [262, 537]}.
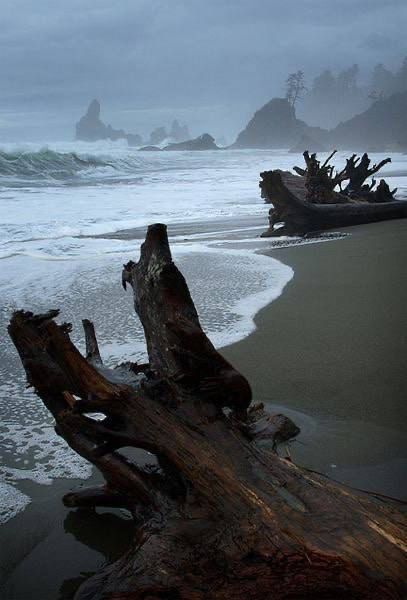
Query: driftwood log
{"type": "Point", "coordinates": [221, 515]}
{"type": "Point", "coordinates": [315, 200]}
{"type": "Point", "coordinates": [297, 215]}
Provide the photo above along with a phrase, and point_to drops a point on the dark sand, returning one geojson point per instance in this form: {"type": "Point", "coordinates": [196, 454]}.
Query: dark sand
{"type": "Point", "coordinates": [334, 346]}
{"type": "Point", "coordinates": [330, 352]}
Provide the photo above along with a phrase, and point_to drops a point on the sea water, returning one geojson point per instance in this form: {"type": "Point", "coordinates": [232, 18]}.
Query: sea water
{"type": "Point", "coordinates": [66, 212]}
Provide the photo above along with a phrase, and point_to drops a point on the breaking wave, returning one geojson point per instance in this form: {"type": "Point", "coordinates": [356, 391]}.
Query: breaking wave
{"type": "Point", "coordinates": [46, 165]}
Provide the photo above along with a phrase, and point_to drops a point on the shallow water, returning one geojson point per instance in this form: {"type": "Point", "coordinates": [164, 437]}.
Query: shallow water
{"type": "Point", "coordinates": [44, 264]}
{"type": "Point", "coordinates": [61, 207]}
{"type": "Point", "coordinates": [64, 235]}
{"type": "Point", "coordinates": [79, 189]}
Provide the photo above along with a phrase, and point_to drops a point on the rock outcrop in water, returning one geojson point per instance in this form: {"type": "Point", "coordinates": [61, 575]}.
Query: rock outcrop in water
{"type": "Point", "coordinates": [383, 126]}
{"type": "Point", "coordinates": [90, 128]}
{"type": "Point", "coordinates": [275, 125]}
{"type": "Point", "coordinates": [203, 142]}
{"type": "Point", "coordinates": [150, 149]}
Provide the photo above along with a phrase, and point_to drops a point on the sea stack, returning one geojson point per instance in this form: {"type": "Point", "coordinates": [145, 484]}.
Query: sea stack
{"type": "Point", "coordinates": [275, 125]}
{"type": "Point", "coordinates": [91, 128]}
{"type": "Point", "coordinates": [203, 142]}
{"type": "Point", "coordinates": [272, 126]}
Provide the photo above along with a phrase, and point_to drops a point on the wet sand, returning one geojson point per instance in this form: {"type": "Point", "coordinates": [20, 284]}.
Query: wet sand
{"type": "Point", "coordinates": [329, 352]}
{"type": "Point", "coordinates": [333, 347]}
{"type": "Point", "coordinates": [47, 551]}
{"type": "Point", "coordinates": [212, 227]}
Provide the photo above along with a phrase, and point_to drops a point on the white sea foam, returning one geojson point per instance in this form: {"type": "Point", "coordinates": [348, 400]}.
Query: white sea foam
{"type": "Point", "coordinates": [241, 282]}
{"type": "Point", "coordinates": [44, 264]}
{"type": "Point", "coordinates": [30, 450]}
{"type": "Point", "coordinates": [12, 502]}
{"type": "Point", "coordinates": [228, 285]}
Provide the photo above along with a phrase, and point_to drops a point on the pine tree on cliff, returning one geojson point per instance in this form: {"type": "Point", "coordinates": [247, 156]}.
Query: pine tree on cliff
{"type": "Point", "coordinates": [295, 87]}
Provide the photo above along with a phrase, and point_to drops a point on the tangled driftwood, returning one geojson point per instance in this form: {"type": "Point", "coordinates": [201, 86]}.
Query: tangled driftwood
{"type": "Point", "coordinates": [222, 516]}
{"type": "Point", "coordinates": [316, 199]}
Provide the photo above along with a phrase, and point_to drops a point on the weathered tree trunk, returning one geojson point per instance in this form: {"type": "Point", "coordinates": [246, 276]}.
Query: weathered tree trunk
{"type": "Point", "coordinates": [223, 516]}
{"type": "Point", "coordinates": [288, 194]}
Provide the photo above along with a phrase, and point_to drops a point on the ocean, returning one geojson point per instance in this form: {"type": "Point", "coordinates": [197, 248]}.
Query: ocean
{"type": "Point", "coordinates": [73, 213]}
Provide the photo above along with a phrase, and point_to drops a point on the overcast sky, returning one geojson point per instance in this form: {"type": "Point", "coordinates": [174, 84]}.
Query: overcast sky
{"type": "Point", "coordinates": [208, 62]}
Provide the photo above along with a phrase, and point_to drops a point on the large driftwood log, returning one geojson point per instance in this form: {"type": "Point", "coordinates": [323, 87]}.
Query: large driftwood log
{"type": "Point", "coordinates": [298, 216]}
{"type": "Point", "coordinates": [222, 516]}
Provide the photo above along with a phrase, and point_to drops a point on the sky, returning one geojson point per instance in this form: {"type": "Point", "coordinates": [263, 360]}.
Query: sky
{"type": "Point", "coordinates": [210, 63]}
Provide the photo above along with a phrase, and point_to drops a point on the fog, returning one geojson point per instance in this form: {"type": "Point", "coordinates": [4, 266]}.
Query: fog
{"type": "Point", "coordinates": [210, 64]}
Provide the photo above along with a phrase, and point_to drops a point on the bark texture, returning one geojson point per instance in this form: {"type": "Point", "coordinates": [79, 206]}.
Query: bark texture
{"type": "Point", "coordinates": [222, 516]}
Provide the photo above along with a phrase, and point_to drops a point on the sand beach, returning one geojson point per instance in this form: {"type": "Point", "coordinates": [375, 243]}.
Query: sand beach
{"type": "Point", "coordinates": [329, 352]}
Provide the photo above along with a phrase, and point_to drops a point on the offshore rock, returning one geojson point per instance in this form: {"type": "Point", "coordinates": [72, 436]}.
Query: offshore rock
{"type": "Point", "coordinates": [150, 149]}
{"type": "Point", "coordinates": [91, 128]}
{"type": "Point", "coordinates": [275, 125]}
{"type": "Point", "coordinates": [203, 142]}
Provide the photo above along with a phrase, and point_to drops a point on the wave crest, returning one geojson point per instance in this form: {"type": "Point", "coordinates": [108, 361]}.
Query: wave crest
{"type": "Point", "coordinates": [47, 164]}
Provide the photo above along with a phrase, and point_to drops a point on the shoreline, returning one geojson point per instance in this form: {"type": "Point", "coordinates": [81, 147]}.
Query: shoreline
{"type": "Point", "coordinates": [345, 432]}
{"type": "Point", "coordinates": [329, 352]}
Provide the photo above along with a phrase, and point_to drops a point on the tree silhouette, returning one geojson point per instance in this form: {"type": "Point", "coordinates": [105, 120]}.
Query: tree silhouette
{"type": "Point", "coordinates": [295, 86]}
